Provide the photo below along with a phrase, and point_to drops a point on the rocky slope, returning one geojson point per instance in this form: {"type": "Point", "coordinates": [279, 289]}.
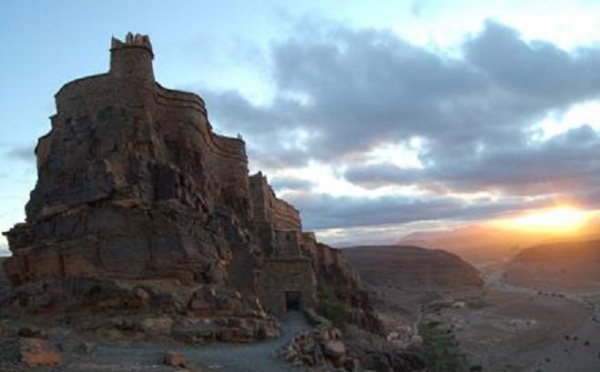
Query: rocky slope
{"type": "Point", "coordinates": [412, 268]}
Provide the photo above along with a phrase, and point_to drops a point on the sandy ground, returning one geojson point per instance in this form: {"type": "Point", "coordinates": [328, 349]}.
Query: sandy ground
{"type": "Point", "coordinates": [528, 329]}
{"type": "Point", "coordinates": [507, 327]}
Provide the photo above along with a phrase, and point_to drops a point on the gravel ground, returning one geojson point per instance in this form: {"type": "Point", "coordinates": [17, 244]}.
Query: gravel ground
{"type": "Point", "coordinates": [144, 357]}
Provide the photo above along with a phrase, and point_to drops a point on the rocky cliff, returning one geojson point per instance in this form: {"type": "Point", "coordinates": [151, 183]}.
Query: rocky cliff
{"type": "Point", "coordinates": [137, 195]}
{"type": "Point", "coordinates": [132, 183]}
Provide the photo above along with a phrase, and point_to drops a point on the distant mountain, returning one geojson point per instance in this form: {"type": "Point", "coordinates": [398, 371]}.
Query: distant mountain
{"type": "Point", "coordinates": [475, 244]}
{"type": "Point", "coordinates": [412, 268]}
{"type": "Point", "coordinates": [560, 265]}
{"type": "Point", "coordinates": [480, 245]}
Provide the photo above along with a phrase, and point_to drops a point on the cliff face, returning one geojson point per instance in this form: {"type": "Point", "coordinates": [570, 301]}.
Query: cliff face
{"type": "Point", "coordinates": [132, 182]}
{"type": "Point", "coordinates": [134, 186]}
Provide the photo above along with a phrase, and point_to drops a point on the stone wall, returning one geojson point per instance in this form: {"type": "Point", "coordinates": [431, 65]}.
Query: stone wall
{"type": "Point", "coordinates": [289, 243]}
{"type": "Point", "coordinates": [283, 276]}
{"type": "Point", "coordinates": [268, 208]}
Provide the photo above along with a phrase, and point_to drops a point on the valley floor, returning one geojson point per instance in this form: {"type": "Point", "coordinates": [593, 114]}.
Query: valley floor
{"type": "Point", "coordinates": [504, 328]}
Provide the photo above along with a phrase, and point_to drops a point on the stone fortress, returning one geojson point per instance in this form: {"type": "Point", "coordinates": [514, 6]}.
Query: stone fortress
{"type": "Point", "coordinates": [134, 186]}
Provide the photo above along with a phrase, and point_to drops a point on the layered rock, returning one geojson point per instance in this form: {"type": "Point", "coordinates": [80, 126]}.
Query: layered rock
{"type": "Point", "coordinates": [136, 194]}
{"type": "Point", "coordinates": [132, 183]}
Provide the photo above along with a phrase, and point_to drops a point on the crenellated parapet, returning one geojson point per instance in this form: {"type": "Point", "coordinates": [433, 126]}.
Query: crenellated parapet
{"type": "Point", "coordinates": [131, 41]}
{"type": "Point", "coordinates": [132, 58]}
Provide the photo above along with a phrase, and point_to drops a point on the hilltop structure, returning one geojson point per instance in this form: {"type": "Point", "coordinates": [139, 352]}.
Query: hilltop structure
{"type": "Point", "coordinates": [134, 186]}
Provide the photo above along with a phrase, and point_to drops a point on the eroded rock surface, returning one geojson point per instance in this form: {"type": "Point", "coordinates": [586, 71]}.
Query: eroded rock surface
{"type": "Point", "coordinates": [140, 207]}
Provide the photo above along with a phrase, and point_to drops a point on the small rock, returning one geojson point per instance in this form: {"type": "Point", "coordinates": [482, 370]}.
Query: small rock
{"type": "Point", "coordinates": [157, 326]}
{"type": "Point", "coordinates": [174, 359]}
{"type": "Point", "coordinates": [85, 347]}
{"type": "Point", "coordinates": [36, 352]}
{"type": "Point", "coordinates": [334, 349]}
{"type": "Point", "coordinates": [335, 333]}
{"type": "Point", "coordinates": [31, 331]}
{"type": "Point", "coordinates": [324, 335]}
{"type": "Point", "coordinates": [110, 334]}
{"type": "Point", "coordinates": [352, 365]}
{"type": "Point", "coordinates": [141, 293]}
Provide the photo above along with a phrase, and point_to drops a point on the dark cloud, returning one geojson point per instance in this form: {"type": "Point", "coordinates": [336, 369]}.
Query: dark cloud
{"type": "Point", "coordinates": [360, 88]}
{"type": "Point", "coordinates": [342, 92]}
{"type": "Point", "coordinates": [281, 183]}
{"type": "Point", "coordinates": [23, 153]}
{"type": "Point", "coordinates": [565, 162]}
{"type": "Point", "coordinates": [323, 211]}
{"type": "Point", "coordinates": [538, 71]}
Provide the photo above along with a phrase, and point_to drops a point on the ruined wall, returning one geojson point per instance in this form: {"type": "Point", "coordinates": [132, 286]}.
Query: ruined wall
{"type": "Point", "coordinates": [268, 208]}
{"type": "Point", "coordinates": [279, 276]}
{"type": "Point", "coordinates": [288, 243]}
{"type": "Point", "coordinates": [331, 265]}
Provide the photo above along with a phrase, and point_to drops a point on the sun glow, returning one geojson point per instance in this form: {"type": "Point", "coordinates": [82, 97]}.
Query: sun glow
{"type": "Point", "coordinates": [563, 219]}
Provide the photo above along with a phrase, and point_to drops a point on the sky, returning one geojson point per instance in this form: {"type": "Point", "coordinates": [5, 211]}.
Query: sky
{"type": "Point", "coordinates": [374, 118]}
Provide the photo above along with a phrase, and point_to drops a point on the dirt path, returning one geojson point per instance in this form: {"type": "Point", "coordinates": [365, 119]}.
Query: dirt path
{"type": "Point", "coordinates": [142, 357]}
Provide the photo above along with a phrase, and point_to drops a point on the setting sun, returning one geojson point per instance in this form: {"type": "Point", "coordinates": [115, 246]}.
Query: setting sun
{"type": "Point", "coordinates": [562, 219]}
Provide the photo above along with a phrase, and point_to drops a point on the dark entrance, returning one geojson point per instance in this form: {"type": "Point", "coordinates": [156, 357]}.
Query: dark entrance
{"type": "Point", "coordinates": [293, 300]}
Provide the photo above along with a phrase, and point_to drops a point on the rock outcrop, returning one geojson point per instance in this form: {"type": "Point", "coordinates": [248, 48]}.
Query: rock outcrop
{"type": "Point", "coordinates": [140, 204]}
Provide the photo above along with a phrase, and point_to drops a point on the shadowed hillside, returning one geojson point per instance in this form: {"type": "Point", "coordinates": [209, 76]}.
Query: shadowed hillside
{"type": "Point", "coordinates": [561, 265]}
{"type": "Point", "coordinates": [476, 244]}
{"type": "Point", "coordinates": [410, 267]}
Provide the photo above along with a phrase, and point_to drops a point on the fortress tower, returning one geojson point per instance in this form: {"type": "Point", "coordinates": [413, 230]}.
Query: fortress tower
{"type": "Point", "coordinates": [132, 58]}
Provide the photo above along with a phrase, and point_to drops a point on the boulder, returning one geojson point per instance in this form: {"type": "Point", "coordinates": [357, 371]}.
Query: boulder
{"type": "Point", "coordinates": [334, 349]}
{"type": "Point", "coordinates": [31, 331]}
{"type": "Point", "coordinates": [174, 359]}
{"type": "Point", "coordinates": [37, 352]}
{"type": "Point", "coordinates": [157, 326]}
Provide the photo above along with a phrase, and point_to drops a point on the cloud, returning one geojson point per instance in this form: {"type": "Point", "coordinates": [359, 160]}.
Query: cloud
{"type": "Point", "coordinates": [565, 162]}
{"type": "Point", "coordinates": [290, 183]}
{"type": "Point", "coordinates": [352, 90]}
{"type": "Point", "coordinates": [323, 211]}
{"type": "Point", "coordinates": [22, 153]}
{"type": "Point", "coordinates": [340, 93]}
{"type": "Point", "coordinates": [4, 251]}
{"type": "Point", "coordinates": [538, 71]}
